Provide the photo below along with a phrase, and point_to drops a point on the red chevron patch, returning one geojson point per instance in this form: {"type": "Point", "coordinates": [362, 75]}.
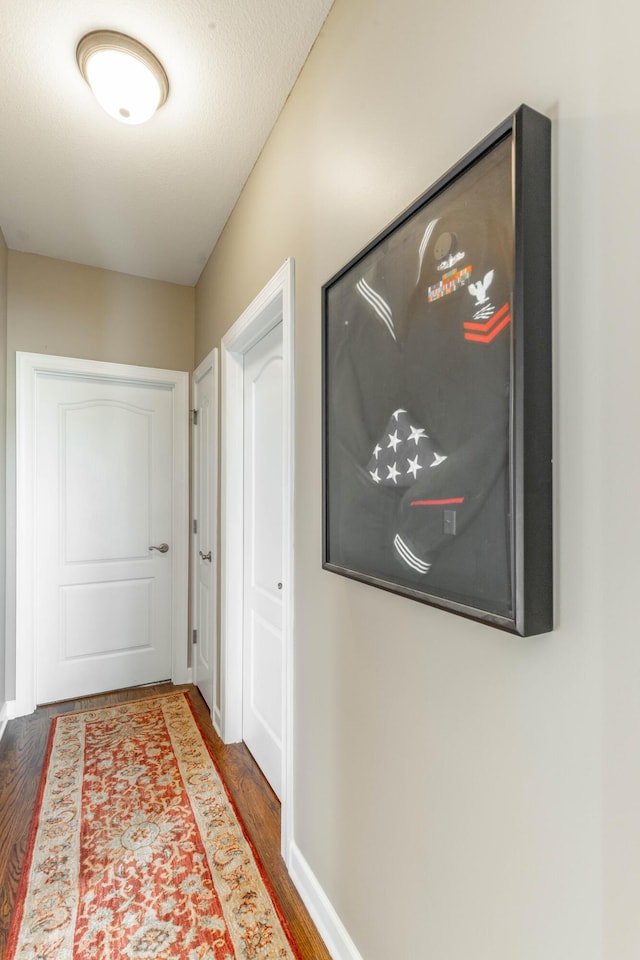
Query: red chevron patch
{"type": "Point", "coordinates": [486, 332]}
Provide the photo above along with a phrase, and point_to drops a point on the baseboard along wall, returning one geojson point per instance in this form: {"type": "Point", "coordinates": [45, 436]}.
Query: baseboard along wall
{"type": "Point", "coordinates": [329, 925]}
{"type": "Point", "coordinates": [4, 719]}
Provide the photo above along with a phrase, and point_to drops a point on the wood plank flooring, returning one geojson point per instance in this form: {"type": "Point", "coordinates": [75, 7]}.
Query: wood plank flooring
{"type": "Point", "coordinates": [22, 751]}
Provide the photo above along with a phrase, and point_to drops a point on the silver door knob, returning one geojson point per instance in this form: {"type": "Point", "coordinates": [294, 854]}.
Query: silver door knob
{"type": "Point", "coordinates": [205, 556]}
{"type": "Point", "coordinates": [163, 548]}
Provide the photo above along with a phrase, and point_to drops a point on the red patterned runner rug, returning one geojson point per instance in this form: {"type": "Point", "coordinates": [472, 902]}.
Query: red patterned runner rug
{"type": "Point", "coordinates": [136, 850]}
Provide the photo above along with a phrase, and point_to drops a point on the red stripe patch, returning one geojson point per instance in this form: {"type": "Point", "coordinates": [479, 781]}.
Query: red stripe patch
{"type": "Point", "coordinates": [436, 503]}
{"type": "Point", "coordinates": [486, 332]}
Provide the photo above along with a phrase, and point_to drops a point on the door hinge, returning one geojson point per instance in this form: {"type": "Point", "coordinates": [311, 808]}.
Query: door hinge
{"type": "Point", "coordinates": [195, 637]}
{"type": "Point", "coordinates": [194, 417]}
{"type": "Point", "coordinates": [195, 526]}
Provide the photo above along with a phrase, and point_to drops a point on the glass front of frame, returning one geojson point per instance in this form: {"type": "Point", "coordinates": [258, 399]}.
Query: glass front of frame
{"type": "Point", "coordinates": [418, 357]}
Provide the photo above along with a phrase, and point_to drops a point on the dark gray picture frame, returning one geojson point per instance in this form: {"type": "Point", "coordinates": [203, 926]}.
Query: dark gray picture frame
{"type": "Point", "coordinates": [436, 378]}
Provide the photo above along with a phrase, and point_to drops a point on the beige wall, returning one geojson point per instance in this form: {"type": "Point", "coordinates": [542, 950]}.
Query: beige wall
{"type": "Point", "coordinates": [65, 309]}
{"type": "Point", "coordinates": [71, 310]}
{"type": "Point", "coordinates": [3, 403]}
{"type": "Point", "coordinates": [450, 794]}
{"type": "Point", "coordinates": [611, 372]}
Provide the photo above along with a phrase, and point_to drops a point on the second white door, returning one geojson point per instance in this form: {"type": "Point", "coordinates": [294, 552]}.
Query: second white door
{"type": "Point", "coordinates": [263, 552]}
{"type": "Point", "coordinates": [205, 473]}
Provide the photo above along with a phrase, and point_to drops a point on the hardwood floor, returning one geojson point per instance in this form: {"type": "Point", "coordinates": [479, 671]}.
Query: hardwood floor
{"type": "Point", "coordinates": [22, 751]}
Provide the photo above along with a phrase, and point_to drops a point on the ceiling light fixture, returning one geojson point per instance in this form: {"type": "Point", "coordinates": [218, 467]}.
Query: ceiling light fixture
{"type": "Point", "coordinates": [127, 80]}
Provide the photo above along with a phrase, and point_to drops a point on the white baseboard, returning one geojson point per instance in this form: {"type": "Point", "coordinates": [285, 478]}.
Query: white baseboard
{"type": "Point", "coordinates": [4, 719]}
{"type": "Point", "coordinates": [17, 709]}
{"type": "Point", "coordinates": [217, 721]}
{"type": "Point", "coordinates": [329, 925]}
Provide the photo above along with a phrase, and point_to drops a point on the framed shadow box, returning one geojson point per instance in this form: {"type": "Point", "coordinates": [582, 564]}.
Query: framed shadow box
{"type": "Point", "coordinates": [437, 392]}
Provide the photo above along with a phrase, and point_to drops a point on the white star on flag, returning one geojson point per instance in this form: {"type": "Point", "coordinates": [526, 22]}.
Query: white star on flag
{"type": "Point", "coordinates": [414, 466]}
{"type": "Point", "coordinates": [417, 434]}
{"type": "Point", "coordinates": [402, 442]}
{"type": "Point", "coordinates": [393, 473]}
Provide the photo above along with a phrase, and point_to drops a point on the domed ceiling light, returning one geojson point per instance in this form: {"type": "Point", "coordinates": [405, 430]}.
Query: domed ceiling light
{"type": "Point", "coordinates": [127, 80]}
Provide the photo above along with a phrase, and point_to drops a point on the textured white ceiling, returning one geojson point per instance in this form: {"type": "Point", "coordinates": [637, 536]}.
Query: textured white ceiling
{"type": "Point", "coordinates": [149, 200]}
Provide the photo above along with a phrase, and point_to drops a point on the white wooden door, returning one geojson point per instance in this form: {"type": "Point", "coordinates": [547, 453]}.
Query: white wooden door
{"type": "Point", "coordinates": [103, 498]}
{"type": "Point", "coordinates": [205, 473]}
{"type": "Point", "coordinates": [263, 551]}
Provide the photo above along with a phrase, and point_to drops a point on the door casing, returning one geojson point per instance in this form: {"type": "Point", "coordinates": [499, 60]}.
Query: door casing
{"type": "Point", "coordinates": [273, 304]}
{"type": "Point", "coordinates": [30, 366]}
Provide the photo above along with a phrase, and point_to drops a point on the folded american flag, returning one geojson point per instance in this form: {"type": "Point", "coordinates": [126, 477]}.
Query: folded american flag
{"type": "Point", "coordinates": [403, 451]}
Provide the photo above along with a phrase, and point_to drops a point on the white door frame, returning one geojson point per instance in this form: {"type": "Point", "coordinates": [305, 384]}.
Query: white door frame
{"type": "Point", "coordinates": [272, 305]}
{"type": "Point", "coordinates": [30, 366]}
{"type": "Point", "coordinates": [210, 362]}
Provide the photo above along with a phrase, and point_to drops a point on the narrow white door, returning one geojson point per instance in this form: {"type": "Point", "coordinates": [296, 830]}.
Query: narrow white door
{"type": "Point", "coordinates": [104, 565]}
{"type": "Point", "coordinates": [263, 511]}
{"type": "Point", "coordinates": [205, 472]}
